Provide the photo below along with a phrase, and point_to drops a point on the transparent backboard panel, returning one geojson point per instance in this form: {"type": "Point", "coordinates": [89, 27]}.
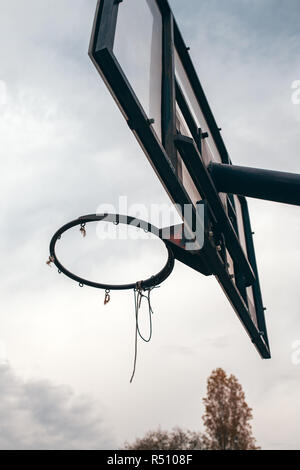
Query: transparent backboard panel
{"type": "Point", "coordinates": [208, 157]}
{"type": "Point", "coordinates": [251, 305]}
{"type": "Point", "coordinates": [242, 238]}
{"type": "Point", "coordinates": [240, 223]}
{"type": "Point", "coordinates": [181, 125]}
{"type": "Point", "coordinates": [138, 49]}
{"type": "Point", "coordinates": [249, 290]}
{"type": "Point", "coordinates": [189, 185]}
{"type": "Point", "coordinates": [183, 173]}
{"type": "Point", "coordinates": [194, 107]}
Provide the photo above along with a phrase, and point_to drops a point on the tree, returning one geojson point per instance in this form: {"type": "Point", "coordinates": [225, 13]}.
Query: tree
{"type": "Point", "coordinates": [227, 414]}
{"type": "Point", "coordinates": [177, 439]}
{"type": "Point", "coordinates": [226, 419]}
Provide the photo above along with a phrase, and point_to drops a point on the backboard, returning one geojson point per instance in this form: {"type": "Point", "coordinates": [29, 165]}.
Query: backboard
{"type": "Point", "coordinates": [138, 50]}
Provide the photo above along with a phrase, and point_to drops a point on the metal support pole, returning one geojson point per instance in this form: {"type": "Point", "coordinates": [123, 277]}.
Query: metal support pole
{"type": "Point", "coordinates": [253, 182]}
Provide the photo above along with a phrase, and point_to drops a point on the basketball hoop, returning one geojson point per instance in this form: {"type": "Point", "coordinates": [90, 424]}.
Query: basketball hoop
{"type": "Point", "coordinates": [115, 219]}
{"type": "Point", "coordinates": [146, 285]}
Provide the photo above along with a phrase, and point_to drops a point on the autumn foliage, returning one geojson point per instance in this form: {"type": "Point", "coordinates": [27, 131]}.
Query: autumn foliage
{"type": "Point", "coordinates": [226, 420]}
{"type": "Point", "coordinates": [227, 414]}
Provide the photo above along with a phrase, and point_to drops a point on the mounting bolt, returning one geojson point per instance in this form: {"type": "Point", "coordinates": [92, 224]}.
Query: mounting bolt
{"type": "Point", "coordinates": [118, 1]}
{"type": "Point", "coordinates": [188, 49]}
{"type": "Point", "coordinates": [151, 121]}
{"type": "Point", "coordinates": [253, 233]}
{"type": "Point", "coordinates": [218, 248]}
{"type": "Point", "coordinates": [231, 276]}
{"type": "Point", "coordinates": [264, 309]}
{"type": "Point", "coordinates": [204, 135]}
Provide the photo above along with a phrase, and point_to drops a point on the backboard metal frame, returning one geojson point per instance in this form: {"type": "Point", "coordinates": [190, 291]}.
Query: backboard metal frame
{"type": "Point", "coordinates": [164, 155]}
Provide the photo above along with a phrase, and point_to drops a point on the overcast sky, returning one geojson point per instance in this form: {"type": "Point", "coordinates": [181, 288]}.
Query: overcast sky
{"type": "Point", "coordinates": [66, 359]}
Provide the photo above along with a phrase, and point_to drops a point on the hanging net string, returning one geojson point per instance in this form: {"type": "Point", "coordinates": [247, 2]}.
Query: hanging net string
{"type": "Point", "coordinates": [138, 297]}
